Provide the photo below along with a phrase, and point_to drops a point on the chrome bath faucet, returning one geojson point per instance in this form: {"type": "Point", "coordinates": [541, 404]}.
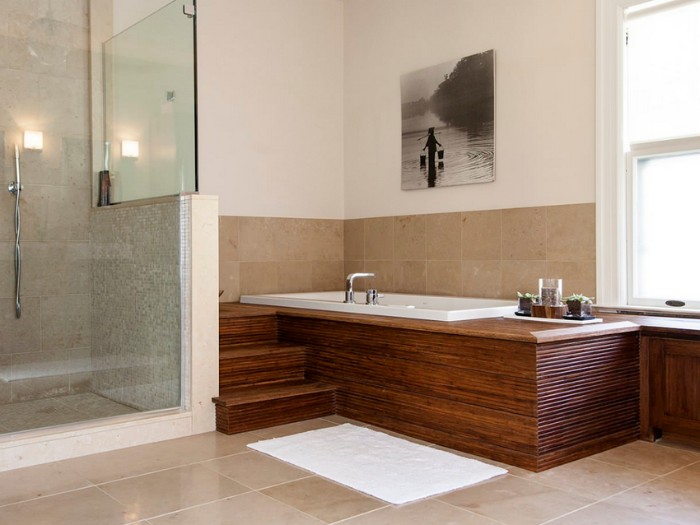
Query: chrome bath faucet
{"type": "Point", "coordinates": [349, 294]}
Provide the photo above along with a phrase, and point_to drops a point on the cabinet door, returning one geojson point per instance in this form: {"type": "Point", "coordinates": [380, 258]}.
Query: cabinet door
{"type": "Point", "coordinates": [675, 388]}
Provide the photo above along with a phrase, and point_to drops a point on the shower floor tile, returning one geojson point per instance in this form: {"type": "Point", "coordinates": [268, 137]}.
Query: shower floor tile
{"type": "Point", "coordinates": [40, 413]}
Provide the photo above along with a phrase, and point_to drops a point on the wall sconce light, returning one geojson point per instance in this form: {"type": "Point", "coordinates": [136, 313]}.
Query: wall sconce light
{"type": "Point", "coordinates": [130, 148]}
{"type": "Point", "coordinates": [33, 140]}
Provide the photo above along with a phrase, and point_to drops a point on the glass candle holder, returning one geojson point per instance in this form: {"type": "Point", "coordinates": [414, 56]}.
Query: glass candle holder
{"type": "Point", "coordinates": [550, 292]}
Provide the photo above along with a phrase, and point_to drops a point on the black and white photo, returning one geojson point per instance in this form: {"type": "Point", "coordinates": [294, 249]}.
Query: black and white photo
{"type": "Point", "coordinates": [447, 123]}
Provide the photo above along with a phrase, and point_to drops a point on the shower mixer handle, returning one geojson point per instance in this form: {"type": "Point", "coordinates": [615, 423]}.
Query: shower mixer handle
{"type": "Point", "coordinates": [13, 187]}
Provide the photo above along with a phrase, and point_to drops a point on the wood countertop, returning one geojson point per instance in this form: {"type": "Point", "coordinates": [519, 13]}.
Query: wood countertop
{"type": "Point", "coordinates": [528, 331]}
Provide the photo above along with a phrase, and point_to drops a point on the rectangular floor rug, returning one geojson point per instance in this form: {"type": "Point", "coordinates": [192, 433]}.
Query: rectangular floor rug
{"type": "Point", "coordinates": [386, 467]}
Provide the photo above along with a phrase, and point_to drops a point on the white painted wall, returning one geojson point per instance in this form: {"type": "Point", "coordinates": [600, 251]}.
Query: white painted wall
{"type": "Point", "coordinates": [299, 103]}
{"type": "Point", "coordinates": [127, 12]}
{"type": "Point", "coordinates": [545, 99]}
{"type": "Point", "coordinates": [270, 106]}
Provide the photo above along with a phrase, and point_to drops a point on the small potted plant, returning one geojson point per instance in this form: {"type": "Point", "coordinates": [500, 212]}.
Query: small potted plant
{"type": "Point", "coordinates": [579, 305]}
{"type": "Point", "coordinates": [525, 302]}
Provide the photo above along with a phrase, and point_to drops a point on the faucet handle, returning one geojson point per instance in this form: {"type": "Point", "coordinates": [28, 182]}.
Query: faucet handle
{"type": "Point", "coordinates": [373, 296]}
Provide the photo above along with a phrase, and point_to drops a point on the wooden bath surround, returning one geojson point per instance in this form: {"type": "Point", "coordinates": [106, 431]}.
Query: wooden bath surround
{"type": "Point", "coordinates": [529, 394]}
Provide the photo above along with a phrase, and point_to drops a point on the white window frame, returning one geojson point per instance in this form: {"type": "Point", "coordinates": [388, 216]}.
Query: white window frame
{"type": "Point", "coordinates": [612, 205]}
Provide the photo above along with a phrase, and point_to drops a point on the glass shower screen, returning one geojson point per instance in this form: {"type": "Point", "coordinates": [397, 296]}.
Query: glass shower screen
{"type": "Point", "coordinates": [149, 108]}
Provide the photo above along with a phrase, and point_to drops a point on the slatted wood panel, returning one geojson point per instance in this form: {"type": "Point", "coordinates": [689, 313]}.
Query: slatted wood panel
{"type": "Point", "coordinates": [259, 326]}
{"type": "Point", "coordinates": [262, 407]}
{"type": "Point", "coordinates": [587, 389]}
{"type": "Point", "coordinates": [261, 381]}
{"type": "Point", "coordinates": [259, 364]}
{"type": "Point", "coordinates": [472, 394]}
{"type": "Point", "coordinates": [533, 406]}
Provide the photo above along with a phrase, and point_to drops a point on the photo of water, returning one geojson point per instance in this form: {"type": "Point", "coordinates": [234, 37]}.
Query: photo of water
{"type": "Point", "coordinates": [448, 124]}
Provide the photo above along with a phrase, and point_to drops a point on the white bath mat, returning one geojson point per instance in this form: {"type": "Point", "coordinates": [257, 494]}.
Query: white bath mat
{"type": "Point", "coordinates": [388, 468]}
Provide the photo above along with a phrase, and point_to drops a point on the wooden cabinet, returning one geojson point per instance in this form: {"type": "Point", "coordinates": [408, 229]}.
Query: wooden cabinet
{"type": "Point", "coordinates": [671, 374]}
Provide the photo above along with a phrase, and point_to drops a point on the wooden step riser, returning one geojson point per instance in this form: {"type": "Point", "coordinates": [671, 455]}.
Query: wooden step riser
{"type": "Point", "coordinates": [247, 330]}
{"type": "Point", "coordinates": [236, 374]}
{"type": "Point", "coordinates": [272, 365]}
{"type": "Point", "coordinates": [272, 412]}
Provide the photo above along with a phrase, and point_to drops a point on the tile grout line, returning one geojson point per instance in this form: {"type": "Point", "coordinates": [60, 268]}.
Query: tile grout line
{"type": "Point", "coordinates": [195, 506]}
{"type": "Point", "coordinates": [291, 507]}
{"type": "Point", "coordinates": [468, 511]}
{"type": "Point", "coordinates": [44, 496]}
{"type": "Point", "coordinates": [338, 522]}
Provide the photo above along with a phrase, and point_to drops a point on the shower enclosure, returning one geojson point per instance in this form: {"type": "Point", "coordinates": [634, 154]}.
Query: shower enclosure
{"type": "Point", "coordinates": [96, 330]}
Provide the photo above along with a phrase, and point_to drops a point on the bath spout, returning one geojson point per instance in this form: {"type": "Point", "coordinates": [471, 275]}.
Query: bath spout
{"type": "Point", "coordinates": [349, 294]}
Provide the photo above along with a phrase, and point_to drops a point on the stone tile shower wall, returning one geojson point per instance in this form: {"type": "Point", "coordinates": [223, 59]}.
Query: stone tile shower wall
{"type": "Point", "coordinates": [44, 87]}
{"type": "Point", "coordinates": [136, 304]}
{"type": "Point", "coordinates": [492, 253]}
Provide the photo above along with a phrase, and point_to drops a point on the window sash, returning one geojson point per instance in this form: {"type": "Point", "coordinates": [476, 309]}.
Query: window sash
{"type": "Point", "coordinates": [641, 152]}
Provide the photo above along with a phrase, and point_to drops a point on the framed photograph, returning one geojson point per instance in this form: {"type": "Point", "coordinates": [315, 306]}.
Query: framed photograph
{"type": "Point", "coordinates": [447, 123]}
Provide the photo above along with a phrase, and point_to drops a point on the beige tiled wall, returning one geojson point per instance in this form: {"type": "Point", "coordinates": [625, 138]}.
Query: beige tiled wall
{"type": "Point", "coordinates": [492, 253]}
{"type": "Point", "coordinates": [267, 255]}
{"type": "Point", "coordinates": [43, 353]}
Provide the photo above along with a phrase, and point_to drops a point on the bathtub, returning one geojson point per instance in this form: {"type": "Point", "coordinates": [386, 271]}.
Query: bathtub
{"type": "Point", "coordinates": [429, 307]}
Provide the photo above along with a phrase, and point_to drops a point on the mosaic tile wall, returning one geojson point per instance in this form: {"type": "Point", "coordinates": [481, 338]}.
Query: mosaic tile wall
{"type": "Point", "coordinates": [44, 87]}
{"type": "Point", "coordinates": [135, 278]}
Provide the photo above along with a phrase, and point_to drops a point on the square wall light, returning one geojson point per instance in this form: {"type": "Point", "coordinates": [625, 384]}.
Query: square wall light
{"type": "Point", "coordinates": [130, 148]}
{"type": "Point", "coordinates": [33, 140]}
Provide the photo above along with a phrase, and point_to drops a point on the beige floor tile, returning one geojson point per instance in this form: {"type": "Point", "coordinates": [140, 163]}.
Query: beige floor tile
{"type": "Point", "coordinates": [606, 514]}
{"type": "Point", "coordinates": [34, 482]}
{"type": "Point", "coordinates": [689, 475]}
{"type": "Point", "coordinates": [426, 512]}
{"type": "Point", "coordinates": [86, 506]}
{"type": "Point", "coordinates": [255, 470]}
{"type": "Point", "coordinates": [590, 478]}
{"type": "Point", "coordinates": [340, 420]}
{"type": "Point", "coordinates": [171, 490]}
{"type": "Point", "coordinates": [135, 461]}
{"type": "Point", "coordinates": [513, 500]}
{"type": "Point", "coordinates": [323, 499]}
{"type": "Point", "coordinates": [649, 457]}
{"type": "Point", "coordinates": [248, 509]}
{"type": "Point", "coordinates": [292, 428]}
{"type": "Point", "coordinates": [670, 498]}
{"type": "Point", "coordinates": [516, 471]}
{"type": "Point", "coordinates": [124, 463]}
{"type": "Point", "coordinates": [210, 445]}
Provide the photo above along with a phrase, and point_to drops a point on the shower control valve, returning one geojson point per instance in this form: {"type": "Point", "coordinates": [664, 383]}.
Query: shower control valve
{"type": "Point", "coordinates": [14, 188]}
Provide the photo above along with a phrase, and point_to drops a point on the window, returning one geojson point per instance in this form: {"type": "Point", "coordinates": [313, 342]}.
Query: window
{"type": "Point", "coordinates": [648, 169]}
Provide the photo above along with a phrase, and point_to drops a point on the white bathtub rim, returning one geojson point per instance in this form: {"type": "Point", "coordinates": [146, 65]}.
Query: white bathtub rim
{"type": "Point", "coordinates": [392, 305]}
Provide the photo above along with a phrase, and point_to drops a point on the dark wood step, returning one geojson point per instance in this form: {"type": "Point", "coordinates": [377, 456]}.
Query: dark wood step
{"type": "Point", "coordinates": [260, 363]}
{"type": "Point", "coordinates": [253, 408]}
{"type": "Point", "coordinates": [241, 324]}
